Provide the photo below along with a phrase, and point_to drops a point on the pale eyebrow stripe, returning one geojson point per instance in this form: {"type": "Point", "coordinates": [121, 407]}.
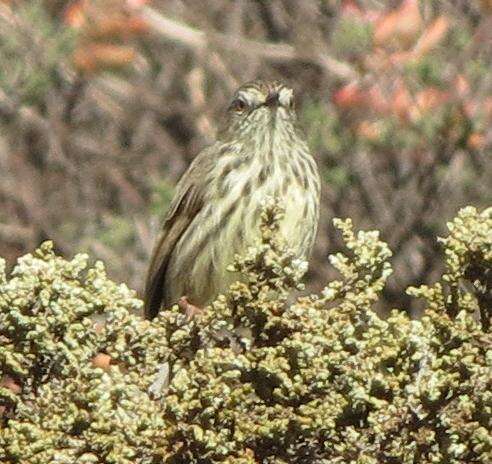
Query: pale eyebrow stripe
{"type": "Point", "coordinates": [252, 96]}
{"type": "Point", "coordinates": [285, 95]}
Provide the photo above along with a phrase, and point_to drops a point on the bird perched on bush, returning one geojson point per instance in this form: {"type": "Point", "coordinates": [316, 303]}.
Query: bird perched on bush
{"type": "Point", "coordinates": [215, 213]}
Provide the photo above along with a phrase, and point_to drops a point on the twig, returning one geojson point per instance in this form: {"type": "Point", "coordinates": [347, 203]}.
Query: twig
{"type": "Point", "coordinates": [15, 233]}
{"type": "Point", "coordinates": [280, 52]}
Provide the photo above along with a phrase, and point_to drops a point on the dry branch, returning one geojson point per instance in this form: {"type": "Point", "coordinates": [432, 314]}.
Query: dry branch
{"type": "Point", "coordinates": [276, 52]}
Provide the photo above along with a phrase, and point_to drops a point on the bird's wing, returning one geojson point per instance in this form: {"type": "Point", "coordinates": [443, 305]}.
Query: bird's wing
{"type": "Point", "coordinates": [188, 201]}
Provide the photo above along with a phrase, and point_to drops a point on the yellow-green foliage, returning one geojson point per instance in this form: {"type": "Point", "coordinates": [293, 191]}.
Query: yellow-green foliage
{"type": "Point", "coordinates": [253, 378]}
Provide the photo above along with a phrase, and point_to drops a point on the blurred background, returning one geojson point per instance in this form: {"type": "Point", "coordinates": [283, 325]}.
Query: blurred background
{"type": "Point", "coordinates": [104, 103]}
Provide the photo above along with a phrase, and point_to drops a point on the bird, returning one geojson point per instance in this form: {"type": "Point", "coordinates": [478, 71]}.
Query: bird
{"type": "Point", "coordinates": [260, 152]}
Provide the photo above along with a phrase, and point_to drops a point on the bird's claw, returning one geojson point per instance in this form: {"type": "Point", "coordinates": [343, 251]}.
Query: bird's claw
{"type": "Point", "coordinates": [188, 308]}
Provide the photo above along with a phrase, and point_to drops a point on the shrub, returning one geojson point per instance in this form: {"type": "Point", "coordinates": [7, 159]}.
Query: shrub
{"type": "Point", "coordinates": [255, 377]}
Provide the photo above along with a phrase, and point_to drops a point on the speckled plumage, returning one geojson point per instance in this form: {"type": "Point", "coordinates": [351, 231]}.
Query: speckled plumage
{"type": "Point", "coordinates": [215, 213]}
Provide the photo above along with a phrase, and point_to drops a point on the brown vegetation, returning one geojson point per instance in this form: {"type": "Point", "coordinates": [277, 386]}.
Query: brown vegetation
{"type": "Point", "coordinates": [104, 103]}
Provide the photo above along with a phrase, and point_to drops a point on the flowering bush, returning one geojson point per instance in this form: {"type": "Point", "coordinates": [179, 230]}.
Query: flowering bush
{"type": "Point", "coordinates": [255, 377]}
{"type": "Point", "coordinates": [110, 100]}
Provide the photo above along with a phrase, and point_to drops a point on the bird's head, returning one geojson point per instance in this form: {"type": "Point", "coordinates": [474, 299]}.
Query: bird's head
{"type": "Point", "coordinates": [260, 106]}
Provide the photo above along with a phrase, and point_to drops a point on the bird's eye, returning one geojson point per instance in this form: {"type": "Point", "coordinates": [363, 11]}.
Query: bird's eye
{"type": "Point", "coordinates": [239, 105]}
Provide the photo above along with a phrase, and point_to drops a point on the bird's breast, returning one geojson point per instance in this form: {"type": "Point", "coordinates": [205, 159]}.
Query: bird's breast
{"type": "Point", "coordinates": [244, 191]}
{"type": "Point", "coordinates": [229, 222]}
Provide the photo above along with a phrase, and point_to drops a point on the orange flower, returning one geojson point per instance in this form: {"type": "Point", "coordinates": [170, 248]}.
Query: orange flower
{"type": "Point", "coordinates": [427, 100]}
{"type": "Point", "coordinates": [117, 18]}
{"type": "Point", "coordinates": [369, 130]}
{"type": "Point", "coordinates": [74, 15]}
{"type": "Point", "coordinates": [135, 4]}
{"type": "Point", "coordinates": [376, 100]}
{"type": "Point", "coordinates": [401, 101]}
{"type": "Point", "coordinates": [402, 24]}
{"type": "Point", "coordinates": [102, 361]}
{"type": "Point", "coordinates": [461, 85]}
{"type": "Point", "coordinates": [431, 37]}
{"type": "Point", "coordinates": [431, 98]}
{"type": "Point", "coordinates": [350, 8]}
{"type": "Point", "coordinates": [94, 57]}
{"type": "Point", "coordinates": [349, 96]}
{"type": "Point", "coordinates": [117, 26]}
{"type": "Point", "coordinates": [8, 382]}
{"type": "Point", "coordinates": [476, 141]}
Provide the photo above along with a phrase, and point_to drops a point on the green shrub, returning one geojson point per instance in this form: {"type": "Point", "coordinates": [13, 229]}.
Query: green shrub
{"type": "Point", "coordinates": [253, 378]}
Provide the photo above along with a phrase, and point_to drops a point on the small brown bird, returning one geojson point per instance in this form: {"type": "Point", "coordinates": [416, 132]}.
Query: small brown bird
{"type": "Point", "coordinates": [216, 210]}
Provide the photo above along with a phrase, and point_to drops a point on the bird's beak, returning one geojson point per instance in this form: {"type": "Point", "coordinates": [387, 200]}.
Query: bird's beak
{"type": "Point", "coordinates": [272, 100]}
